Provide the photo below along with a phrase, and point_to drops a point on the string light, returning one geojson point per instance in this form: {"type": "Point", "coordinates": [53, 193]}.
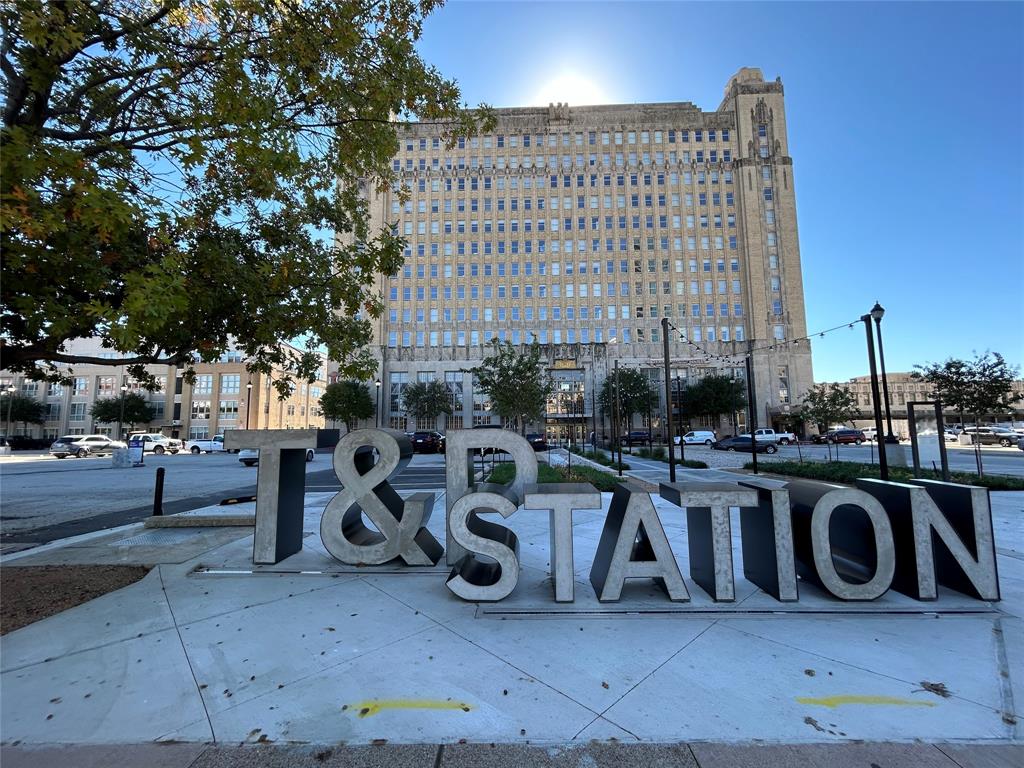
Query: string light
{"type": "Point", "coordinates": [708, 357]}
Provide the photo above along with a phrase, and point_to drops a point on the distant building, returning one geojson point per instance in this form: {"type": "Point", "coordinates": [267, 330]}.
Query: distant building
{"type": "Point", "coordinates": [219, 400]}
{"type": "Point", "coordinates": [581, 228]}
{"type": "Point", "coordinates": [903, 389]}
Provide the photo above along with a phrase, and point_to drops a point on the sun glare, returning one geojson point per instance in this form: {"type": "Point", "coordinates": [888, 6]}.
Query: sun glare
{"type": "Point", "coordinates": [571, 88]}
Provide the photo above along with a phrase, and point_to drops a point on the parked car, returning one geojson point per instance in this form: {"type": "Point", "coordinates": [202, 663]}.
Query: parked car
{"type": "Point", "coordinates": [156, 443]}
{"type": "Point", "coordinates": [537, 441]}
{"type": "Point", "coordinates": [1020, 443]}
{"type": "Point", "coordinates": [81, 446]}
{"type": "Point", "coordinates": [428, 442]}
{"type": "Point", "coordinates": [637, 437]}
{"type": "Point", "coordinates": [697, 437]}
{"type": "Point", "coordinates": [837, 436]}
{"type": "Point", "coordinates": [251, 456]}
{"type": "Point", "coordinates": [26, 443]}
{"type": "Point", "coordinates": [992, 436]}
{"type": "Point", "coordinates": [743, 443]}
{"type": "Point", "coordinates": [213, 444]}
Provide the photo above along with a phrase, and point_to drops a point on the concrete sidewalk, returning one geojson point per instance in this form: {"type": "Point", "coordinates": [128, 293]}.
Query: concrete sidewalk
{"type": "Point", "coordinates": [208, 649]}
{"type": "Point", "coordinates": [592, 755]}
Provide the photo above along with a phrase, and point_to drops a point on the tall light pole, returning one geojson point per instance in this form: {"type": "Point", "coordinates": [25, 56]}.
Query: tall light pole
{"type": "Point", "coordinates": [883, 461]}
{"type": "Point", "coordinates": [120, 420]}
{"type": "Point", "coordinates": [618, 416]}
{"type": "Point", "coordinates": [248, 402]}
{"type": "Point", "coordinates": [10, 402]}
{"type": "Point", "coordinates": [877, 313]}
{"type": "Point", "coordinates": [668, 403]}
{"type": "Point", "coordinates": [377, 384]}
{"type": "Point", "coordinates": [679, 406]}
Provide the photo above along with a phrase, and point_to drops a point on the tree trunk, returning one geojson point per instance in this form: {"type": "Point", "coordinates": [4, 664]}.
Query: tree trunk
{"type": "Point", "coordinates": [977, 449]}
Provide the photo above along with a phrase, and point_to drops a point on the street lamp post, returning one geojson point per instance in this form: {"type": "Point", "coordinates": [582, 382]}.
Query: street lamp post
{"type": "Point", "coordinates": [877, 313]}
{"type": "Point", "coordinates": [378, 385]}
{"type": "Point", "coordinates": [679, 407]}
{"type": "Point", "coordinates": [618, 416]}
{"type": "Point", "coordinates": [248, 402]}
{"type": "Point", "coordinates": [883, 462]}
{"type": "Point", "coordinates": [10, 402]}
{"type": "Point", "coordinates": [668, 403]}
{"type": "Point", "coordinates": [120, 420]}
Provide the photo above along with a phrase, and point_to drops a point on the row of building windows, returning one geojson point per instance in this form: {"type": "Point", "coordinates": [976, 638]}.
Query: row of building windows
{"type": "Point", "coordinates": [459, 226]}
{"type": "Point", "coordinates": [558, 268]}
{"type": "Point", "coordinates": [104, 385]}
{"type": "Point", "coordinates": [598, 312]}
{"type": "Point", "coordinates": [591, 138]}
{"type": "Point", "coordinates": [582, 181]}
{"type": "Point", "coordinates": [623, 245]}
{"type": "Point", "coordinates": [571, 290]}
{"type": "Point", "coordinates": [591, 160]}
{"type": "Point", "coordinates": [556, 336]}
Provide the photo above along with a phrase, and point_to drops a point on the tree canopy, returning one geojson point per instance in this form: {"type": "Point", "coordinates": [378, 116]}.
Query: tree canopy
{"type": "Point", "coordinates": [517, 382]}
{"type": "Point", "coordinates": [980, 386]}
{"type": "Point", "coordinates": [347, 401]}
{"type": "Point", "coordinates": [136, 410]}
{"type": "Point", "coordinates": [636, 393]}
{"type": "Point", "coordinates": [426, 399]}
{"type": "Point", "coordinates": [828, 405]}
{"type": "Point", "coordinates": [714, 395]}
{"type": "Point", "coordinates": [169, 172]}
{"type": "Point", "coordinates": [22, 408]}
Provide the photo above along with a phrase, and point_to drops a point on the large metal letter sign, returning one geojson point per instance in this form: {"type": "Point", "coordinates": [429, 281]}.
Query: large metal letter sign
{"type": "Point", "coordinates": [766, 533]}
{"type": "Point", "coordinates": [842, 529]}
{"type": "Point", "coordinates": [280, 488]}
{"type": "Point", "coordinates": [560, 499]}
{"type": "Point", "coordinates": [633, 528]}
{"type": "Point", "coordinates": [709, 531]}
{"type": "Point", "coordinates": [366, 491]}
{"type": "Point", "coordinates": [473, 579]}
{"type": "Point", "coordinates": [957, 518]}
{"type": "Point", "coordinates": [460, 473]}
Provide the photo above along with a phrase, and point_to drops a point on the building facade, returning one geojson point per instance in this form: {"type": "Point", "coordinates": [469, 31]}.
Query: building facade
{"type": "Point", "coordinates": [581, 228]}
{"type": "Point", "coordinates": [220, 399]}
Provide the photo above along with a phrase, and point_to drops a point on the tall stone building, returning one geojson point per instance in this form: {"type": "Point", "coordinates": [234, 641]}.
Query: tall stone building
{"type": "Point", "coordinates": [581, 228]}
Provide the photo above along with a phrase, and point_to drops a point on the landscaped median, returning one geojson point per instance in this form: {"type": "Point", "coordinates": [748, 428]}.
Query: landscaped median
{"type": "Point", "coordinates": [654, 454]}
{"type": "Point", "coordinates": [505, 473]}
{"type": "Point", "coordinates": [849, 471]}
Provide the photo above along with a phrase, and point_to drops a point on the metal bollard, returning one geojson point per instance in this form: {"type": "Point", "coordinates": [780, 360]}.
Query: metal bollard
{"type": "Point", "coordinates": [158, 493]}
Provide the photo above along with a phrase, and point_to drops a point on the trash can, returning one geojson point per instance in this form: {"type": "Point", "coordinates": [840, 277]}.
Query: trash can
{"type": "Point", "coordinates": [119, 458]}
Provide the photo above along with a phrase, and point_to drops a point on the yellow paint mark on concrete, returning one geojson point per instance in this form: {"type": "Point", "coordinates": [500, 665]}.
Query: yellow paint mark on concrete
{"type": "Point", "coordinates": [837, 701]}
{"type": "Point", "coordinates": [376, 706]}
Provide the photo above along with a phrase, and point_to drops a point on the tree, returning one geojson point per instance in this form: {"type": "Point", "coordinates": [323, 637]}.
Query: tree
{"type": "Point", "coordinates": [22, 408]}
{"type": "Point", "coordinates": [636, 394]}
{"type": "Point", "coordinates": [517, 382]}
{"type": "Point", "coordinates": [136, 410]}
{"type": "Point", "coordinates": [714, 395]}
{"type": "Point", "coordinates": [982, 386]}
{"type": "Point", "coordinates": [168, 171]}
{"type": "Point", "coordinates": [426, 399]}
{"type": "Point", "coordinates": [347, 401]}
{"type": "Point", "coordinates": [829, 404]}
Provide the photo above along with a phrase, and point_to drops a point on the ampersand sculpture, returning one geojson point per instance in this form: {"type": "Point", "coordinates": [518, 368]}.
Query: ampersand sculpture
{"type": "Point", "coordinates": [400, 530]}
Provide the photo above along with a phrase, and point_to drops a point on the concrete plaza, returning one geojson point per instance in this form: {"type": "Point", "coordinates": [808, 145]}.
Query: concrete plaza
{"type": "Point", "coordinates": [313, 662]}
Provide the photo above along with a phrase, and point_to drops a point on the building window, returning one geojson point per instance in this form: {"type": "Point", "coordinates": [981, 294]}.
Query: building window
{"type": "Point", "coordinates": [203, 386]}
{"type": "Point", "coordinates": [77, 412]}
{"type": "Point", "coordinates": [230, 383]}
{"type": "Point", "coordinates": [200, 409]}
{"type": "Point", "coordinates": [228, 409]}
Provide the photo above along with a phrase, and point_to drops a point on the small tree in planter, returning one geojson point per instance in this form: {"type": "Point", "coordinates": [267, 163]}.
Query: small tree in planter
{"type": "Point", "coordinates": [829, 404]}
{"type": "Point", "coordinates": [426, 400]}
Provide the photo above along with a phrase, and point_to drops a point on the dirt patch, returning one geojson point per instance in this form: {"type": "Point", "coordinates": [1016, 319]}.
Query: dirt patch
{"type": "Point", "coordinates": [30, 593]}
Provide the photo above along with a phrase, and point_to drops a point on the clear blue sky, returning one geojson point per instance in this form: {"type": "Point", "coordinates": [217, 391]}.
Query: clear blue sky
{"type": "Point", "coordinates": [906, 127]}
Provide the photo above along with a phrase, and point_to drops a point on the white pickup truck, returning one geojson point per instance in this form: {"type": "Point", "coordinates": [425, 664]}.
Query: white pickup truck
{"type": "Point", "coordinates": [213, 444]}
{"type": "Point", "coordinates": [771, 436]}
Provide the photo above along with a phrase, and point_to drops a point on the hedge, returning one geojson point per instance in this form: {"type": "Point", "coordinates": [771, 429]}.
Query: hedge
{"type": "Point", "coordinates": [505, 473]}
{"type": "Point", "coordinates": [849, 471]}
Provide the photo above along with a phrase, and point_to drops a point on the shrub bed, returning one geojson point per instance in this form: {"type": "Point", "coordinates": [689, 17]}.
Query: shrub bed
{"type": "Point", "coordinates": [848, 471]}
{"type": "Point", "coordinates": [603, 481]}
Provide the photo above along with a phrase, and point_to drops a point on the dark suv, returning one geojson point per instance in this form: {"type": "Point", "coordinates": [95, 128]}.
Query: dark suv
{"type": "Point", "coordinates": [428, 442]}
{"type": "Point", "coordinates": [637, 437]}
{"type": "Point", "coordinates": [537, 441]}
{"type": "Point", "coordinates": [836, 436]}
